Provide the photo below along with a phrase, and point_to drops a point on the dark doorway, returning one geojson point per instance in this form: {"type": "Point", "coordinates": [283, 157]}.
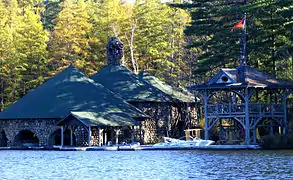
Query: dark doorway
{"type": "Point", "coordinates": [55, 138]}
{"type": "Point", "coordinates": [26, 138]}
{"type": "Point", "coordinates": [125, 135]}
{"type": "Point", "coordinates": [266, 127]}
{"type": "Point", "coordinates": [109, 133]}
{"type": "Point", "coordinates": [3, 139]}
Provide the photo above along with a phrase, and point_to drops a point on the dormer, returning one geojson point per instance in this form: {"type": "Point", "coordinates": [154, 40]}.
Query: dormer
{"type": "Point", "coordinates": [224, 76]}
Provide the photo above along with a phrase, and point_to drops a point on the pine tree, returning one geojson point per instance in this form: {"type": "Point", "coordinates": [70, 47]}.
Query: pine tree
{"type": "Point", "coordinates": [212, 21]}
{"type": "Point", "coordinates": [32, 46]}
{"type": "Point", "coordinates": [159, 39]}
{"type": "Point", "coordinates": [11, 65]}
{"type": "Point", "coordinates": [23, 51]}
{"type": "Point", "coordinates": [52, 8]}
{"type": "Point", "coordinates": [70, 36]}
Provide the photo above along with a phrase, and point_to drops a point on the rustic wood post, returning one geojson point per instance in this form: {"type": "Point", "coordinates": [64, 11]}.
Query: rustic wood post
{"type": "Point", "coordinates": [100, 136]}
{"type": "Point", "coordinates": [206, 123]}
{"type": "Point", "coordinates": [62, 138]}
{"type": "Point", "coordinates": [247, 124]}
{"type": "Point", "coordinates": [117, 134]}
{"type": "Point", "coordinates": [284, 124]}
{"type": "Point", "coordinates": [254, 135]}
{"type": "Point", "coordinates": [271, 127]}
{"type": "Point", "coordinates": [105, 137]}
{"type": "Point", "coordinates": [221, 132]}
{"type": "Point", "coordinates": [132, 134]}
{"type": "Point", "coordinates": [89, 136]}
{"type": "Point", "coordinates": [71, 137]}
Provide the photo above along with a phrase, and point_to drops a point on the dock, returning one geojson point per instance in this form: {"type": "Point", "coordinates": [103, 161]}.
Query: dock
{"type": "Point", "coordinates": [211, 147]}
{"type": "Point", "coordinates": [137, 148]}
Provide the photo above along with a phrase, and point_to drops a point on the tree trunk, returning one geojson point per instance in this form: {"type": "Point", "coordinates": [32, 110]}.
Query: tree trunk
{"type": "Point", "coordinates": [130, 42]}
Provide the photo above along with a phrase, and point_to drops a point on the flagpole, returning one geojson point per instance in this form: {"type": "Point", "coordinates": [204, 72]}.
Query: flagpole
{"type": "Point", "coordinates": [244, 60]}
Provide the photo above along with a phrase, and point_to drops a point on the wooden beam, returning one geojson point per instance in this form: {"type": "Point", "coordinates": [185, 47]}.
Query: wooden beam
{"type": "Point", "coordinates": [132, 134]}
{"type": "Point", "coordinates": [62, 136]}
{"type": "Point", "coordinates": [247, 123]}
{"type": "Point", "coordinates": [105, 138]}
{"type": "Point", "coordinates": [117, 134]}
{"type": "Point", "coordinates": [89, 136]}
{"type": "Point", "coordinates": [100, 136]}
{"type": "Point", "coordinates": [206, 123]}
{"type": "Point", "coordinates": [254, 135]}
{"type": "Point", "coordinates": [284, 124]}
{"type": "Point", "coordinates": [71, 137]}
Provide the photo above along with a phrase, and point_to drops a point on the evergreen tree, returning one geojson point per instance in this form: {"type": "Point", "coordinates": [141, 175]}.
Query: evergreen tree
{"type": "Point", "coordinates": [52, 8]}
{"type": "Point", "coordinates": [70, 36]}
{"type": "Point", "coordinates": [22, 51]}
{"type": "Point", "coordinates": [160, 38]}
{"type": "Point", "coordinates": [108, 18]}
{"type": "Point", "coordinates": [32, 47]}
{"type": "Point", "coordinates": [212, 21]}
{"type": "Point", "coordinates": [11, 65]}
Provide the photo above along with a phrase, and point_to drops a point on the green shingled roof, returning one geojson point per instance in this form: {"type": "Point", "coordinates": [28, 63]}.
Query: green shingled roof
{"type": "Point", "coordinates": [127, 85]}
{"type": "Point", "coordinates": [178, 94]}
{"type": "Point", "coordinates": [69, 91]}
{"type": "Point", "coordinates": [94, 119]}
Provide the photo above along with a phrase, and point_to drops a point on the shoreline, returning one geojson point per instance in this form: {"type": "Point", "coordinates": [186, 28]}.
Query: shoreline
{"type": "Point", "coordinates": [137, 148]}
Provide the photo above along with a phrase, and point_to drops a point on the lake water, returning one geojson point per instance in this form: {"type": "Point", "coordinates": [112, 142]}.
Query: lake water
{"type": "Point", "coordinates": [197, 164]}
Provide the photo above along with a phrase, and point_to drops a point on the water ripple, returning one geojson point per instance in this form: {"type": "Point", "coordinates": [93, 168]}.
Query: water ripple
{"type": "Point", "coordinates": [146, 165]}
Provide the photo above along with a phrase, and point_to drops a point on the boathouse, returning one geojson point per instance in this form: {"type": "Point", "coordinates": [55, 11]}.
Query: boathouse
{"type": "Point", "coordinates": [241, 105]}
{"type": "Point", "coordinates": [171, 111]}
{"type": "Point", "coordinates": [116, 105]}
{"type": "Point", "coordinates": [71, 105]}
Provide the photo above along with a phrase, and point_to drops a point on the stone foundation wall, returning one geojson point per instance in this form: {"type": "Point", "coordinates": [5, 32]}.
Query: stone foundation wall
{"type": "Point", "coordinates": [81, 135]}
{"type": "Point", "coordinates": [167, 119]}
{"type": "Point", "coordinates": [42, 128]}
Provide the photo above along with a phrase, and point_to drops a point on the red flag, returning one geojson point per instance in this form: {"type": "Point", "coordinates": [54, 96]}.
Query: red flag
{"type": "Point", "coordinates": [240, 24]}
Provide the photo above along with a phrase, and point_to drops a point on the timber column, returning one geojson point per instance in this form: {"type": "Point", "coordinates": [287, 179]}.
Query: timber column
{"type": "Point", "coordinates": [206, 122]}
{"type": "Point", "coordinates": [247, 124]}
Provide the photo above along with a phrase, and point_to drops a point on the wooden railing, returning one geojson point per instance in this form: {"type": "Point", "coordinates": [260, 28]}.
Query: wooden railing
{"type": "Point", "coordinates": [239, 109]}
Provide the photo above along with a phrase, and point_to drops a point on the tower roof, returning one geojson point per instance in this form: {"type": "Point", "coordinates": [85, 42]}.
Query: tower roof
{"type": "Point", "coordinates": [243, 76]}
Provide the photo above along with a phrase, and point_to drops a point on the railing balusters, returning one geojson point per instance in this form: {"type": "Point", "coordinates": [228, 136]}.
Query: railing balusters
{"type": "Point", "coordinates": [258, 109]}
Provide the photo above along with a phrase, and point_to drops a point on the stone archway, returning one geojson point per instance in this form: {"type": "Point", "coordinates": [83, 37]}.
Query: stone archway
{"type": "Point", "coordinates": [55, 138]}
{"type": "Point", "coordinates": [3, 139]}
{"type": "Point", "coordinates": [26, 138]}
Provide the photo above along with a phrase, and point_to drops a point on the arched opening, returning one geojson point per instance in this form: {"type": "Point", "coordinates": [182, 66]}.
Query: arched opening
{"type": "Point", "coordinates": [125, 135]}
{"type": "Point", "coordinates": [3, 139]}
{"type": "Point", "coordinates": [55, 138]}
{"type": "Point", "coordinates": [267, 126]}
{"type": "Point", "coordinates": [26, 138]}
{"type": "Point", "coordinates": [109, 136]}
{"type": "Point", "coordinates": [228, 131]}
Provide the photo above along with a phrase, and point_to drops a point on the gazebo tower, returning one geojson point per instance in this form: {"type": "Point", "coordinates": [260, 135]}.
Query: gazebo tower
{"type": "Point", "coordinates": [243, 104]}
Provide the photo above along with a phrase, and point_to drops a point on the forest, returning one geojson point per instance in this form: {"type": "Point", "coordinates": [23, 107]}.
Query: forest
{"type": "Point", "coordinates": [182, 43]}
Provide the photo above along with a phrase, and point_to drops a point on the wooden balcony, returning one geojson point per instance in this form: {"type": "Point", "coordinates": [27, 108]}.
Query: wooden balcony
{"type": "Point", "coordinates": [238, 110]}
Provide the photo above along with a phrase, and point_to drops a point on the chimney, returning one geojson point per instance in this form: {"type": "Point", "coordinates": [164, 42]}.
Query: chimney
{"type": "Point", "coordinates": [115, 51]}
